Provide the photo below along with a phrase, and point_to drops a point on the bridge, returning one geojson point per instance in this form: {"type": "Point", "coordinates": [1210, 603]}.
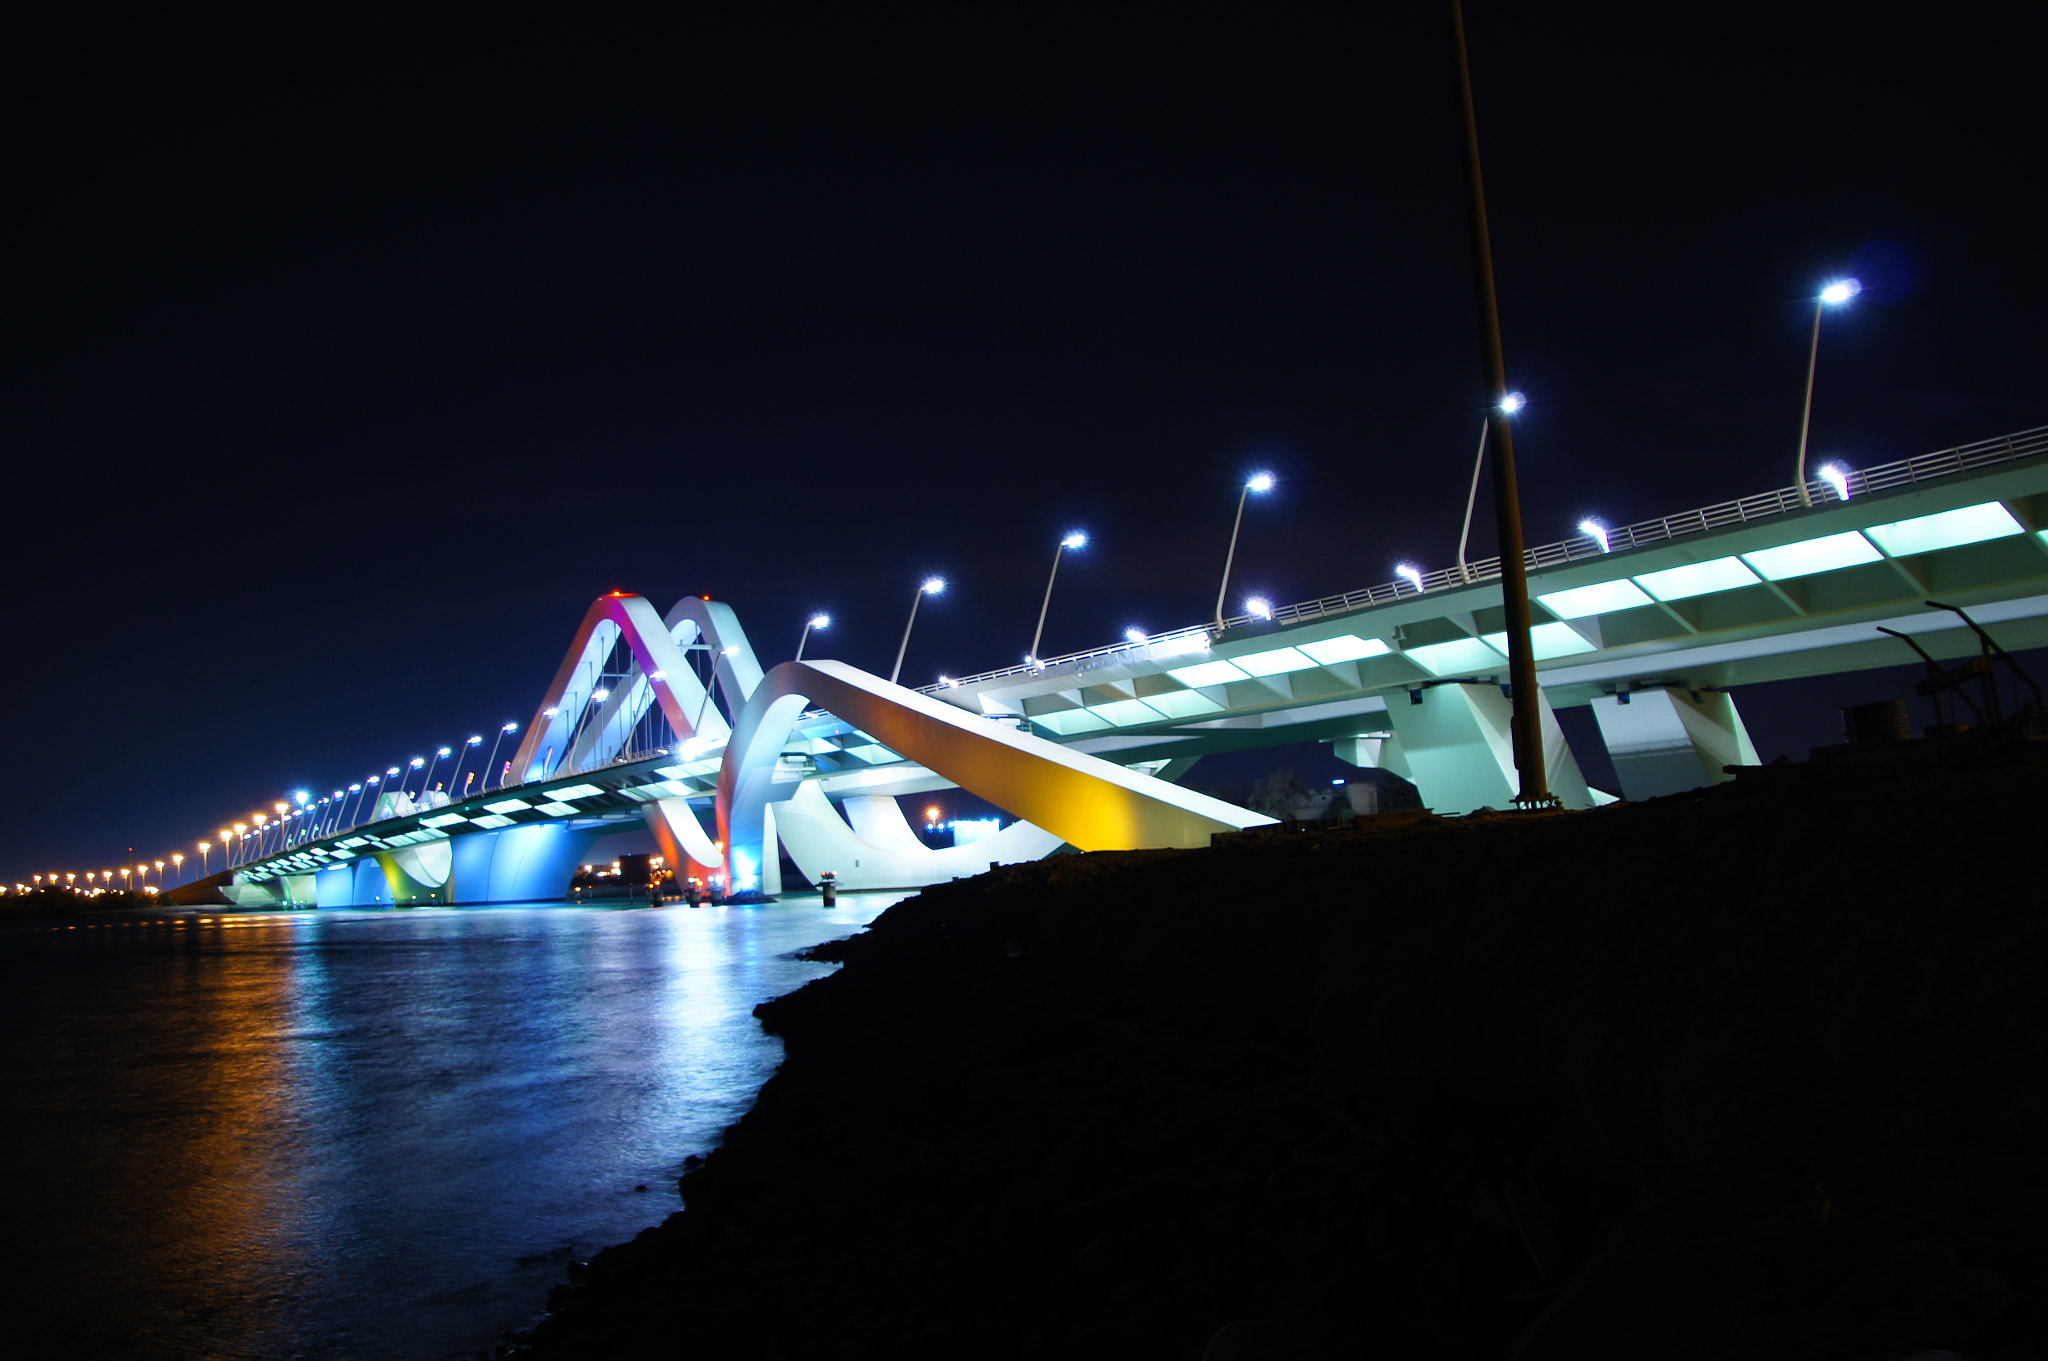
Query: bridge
{"type": "Point", "coordinates": [669, 721]}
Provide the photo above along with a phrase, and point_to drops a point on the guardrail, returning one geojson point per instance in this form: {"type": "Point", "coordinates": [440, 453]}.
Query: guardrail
{"type": "Point", "coordinates": [1761, 506]}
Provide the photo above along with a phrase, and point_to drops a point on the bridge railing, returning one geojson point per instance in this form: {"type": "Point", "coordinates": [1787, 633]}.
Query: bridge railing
{"type": "Point", "coordinates": [1762, 505]}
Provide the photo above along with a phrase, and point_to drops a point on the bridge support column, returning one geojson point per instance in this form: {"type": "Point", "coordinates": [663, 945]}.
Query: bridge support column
{"type": "Point", "coordinates": [1665, 741]}
{"type": "Point", "coordinates": [1458, 742]}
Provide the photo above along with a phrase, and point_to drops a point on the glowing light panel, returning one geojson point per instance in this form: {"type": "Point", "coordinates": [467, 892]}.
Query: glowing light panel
{"type": "Point", "coordinates": [1206, 673]}
{"type": "Point", "coordinates": [1546, 641]}
{"type": "Point", "coordinates": [1948, 529]}
{"type": "Point", "coordinates": [1600, 598]}
{"type": "Point", "coordinates": [1348, 647]}
{"type": "Point", "coordinates": [1465, 656]}
{"type": "Point", "coordinates": [1812, 555]}
{"type": "Point", "coordinates": [1277, 662]}
{"type": "Point", "coordinates": [1697, 578]}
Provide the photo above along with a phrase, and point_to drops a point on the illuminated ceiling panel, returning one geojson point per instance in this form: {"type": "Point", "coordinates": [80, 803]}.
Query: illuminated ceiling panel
{"type": "Point", "coordinates": [1463, 657]}
{"type": "Point", "coordinates": [1546, 641]}
{"type": "Point", "coordinates": [444, 820]}
{"type": "Point", "coordinates": [1812, 555]}
{"type": "Point", "coordinates": [1207, 673]}
{"type": "Point", "coordinates": [1067, 722]}
{"type": "Point", "coordinates": [1697, 578]}
{"type": "Point", "coordinates": [1124, 712]}
{"type": "Point", "coordinates": [1601, 598]}
{"type": "Point", "coordinates": [493, 820]}
{"type": "Point", "coordinates": [1183, 704]}
{"type": "Point", "coordinates": [874, 753]}
{"type": "Point", "coordinates": [1949, 529]}
{"type": "Point", "coordinates": [1278, 662]}
{"type": "Point", "coordinates": [1348, 647]}
{"type": "Point", "coordinates": [576, 791]}
{"type": "Point", "coordinates": [560, 810]}
{"type": "Point", "coordinates": [509, 806]}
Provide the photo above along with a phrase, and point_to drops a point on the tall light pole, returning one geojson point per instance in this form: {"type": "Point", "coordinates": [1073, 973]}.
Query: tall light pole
{"type": "Point", "coordinates": [427, 783]}
{"type": "Point", "coordinates": [1259, 482]}
{"type": "Point", "coordinates": [178, 859]}
{"type": "Point", "coordinates": [929, 586]}
{"type": "Point", "coordinates": [1509, 405]}
{"type": "Point", "coordinates": [455, 779]}
{"type": "Point", "coordinates": [1526, 723]}
{"type": "Point", "coordinates": [491, 762]}
{"type": "Point", "coordinates": [1074, 540]}
{"type": "Point", "coordinates": [816, 621]}
{"type": "Point", "coordinates": [1833, 295]}
{"type": "Point", "coordinates": [205, 867]}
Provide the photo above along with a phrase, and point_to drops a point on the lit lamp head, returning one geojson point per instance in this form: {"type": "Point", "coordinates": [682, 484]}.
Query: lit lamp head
{"type": "Point", "coordinates": [932, 585]}
{"type": "Point", "coordinates": [1075, 540]}
{"type": "Point", "coordinates": [1411, 574]}
{"type": "Point", "coordinates": [1510, 404]}
{"type": "Point", "coordinates": [1136, 635]}
{"type": "Point", "coordinates": [819, 621]}
{"type": "Point", "coordinates": [476, 741]}
{"type": "Point", "coordinates": [510, 727]}
{"type": "Point", "coordinates": [1259, 482]}
{"type": "Point", "coordinates": [1840, 291]}
{"type": "Point", "coordinates": [1595, 531]}
{"type": "Point", "coordinates": [1836, 476]}
{"type": "Point", "coordinates": [1259, 607]}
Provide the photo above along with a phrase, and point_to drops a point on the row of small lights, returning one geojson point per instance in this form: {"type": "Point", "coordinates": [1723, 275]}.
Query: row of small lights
{"type": "Point", "coordinates": [1835, 475]}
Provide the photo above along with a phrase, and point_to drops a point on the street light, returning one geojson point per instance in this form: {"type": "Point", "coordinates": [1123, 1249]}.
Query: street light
{"type": "Point", "coordinates": [1411, 574]}
{"type": "Point", "coordinates": [1833, 295]}
{"type": "Point", "coordinates": [1506, 406]}
{"type": "Point", "coordinates": [1074, 540]}
{"type": "Point", "coordinates": [1836, 476]}
{"type": "Point", "coordinates": [1259, 482]}
{"type": "Point", "coordinates": [204, 867]}
{"type": "Point", "coordinates": [816, 621]}
{"type": "Point", "coordinates": [454, 780]}
{"type": "Point", "coordinates": [929, 586]}
{"type": "Point", "coordinates": [178, 859]}
{"type": "Point", "coordinates": [428, 782]}
{"type": "Point", "coordinates": [490, 762]}
{"type": "Point", "coordinates": [1259, 607]}
{"type": "Point", "coordinates": [1597, 532]}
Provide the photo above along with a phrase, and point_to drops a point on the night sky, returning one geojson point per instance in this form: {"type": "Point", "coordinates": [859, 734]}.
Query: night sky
{"type": "Point", "coordinates": [344, 368]}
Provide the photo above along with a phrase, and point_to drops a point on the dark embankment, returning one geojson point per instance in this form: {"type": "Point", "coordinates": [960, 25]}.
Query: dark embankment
{"type": "Point", "coordinates": [1756, 1072]}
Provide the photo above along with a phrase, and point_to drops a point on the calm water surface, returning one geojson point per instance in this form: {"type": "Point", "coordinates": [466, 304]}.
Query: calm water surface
{"type": "Point", "coordinates": [363, 1134]}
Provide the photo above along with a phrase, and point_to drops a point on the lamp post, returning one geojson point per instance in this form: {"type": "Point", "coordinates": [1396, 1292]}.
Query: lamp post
{"type": "Point", "coordinates": [816, 621]}
{"type": "Point", "coordinates": [1074, 540]}
{"type": "Point", "coordinates": [455, 779]}
{"type": "Point", "coordinates": [1526, 719]}
{"type": "Point", "coordinates": [929, 586]}
{"type": "Point", "coordinates": [1507, 406]}
{"type": "Point", "coordinates": [178, 860]}
{"type": "Point", "coordinates": [427, 784]}
{"type": "Point", "coordinates": [491, 761]}
{"type": "Point", "coordinates": [1833, 295]}
{"type": "Point", "coordinates": [1258, 482]}
{"type": "Point", "coordinates": [205, 868]}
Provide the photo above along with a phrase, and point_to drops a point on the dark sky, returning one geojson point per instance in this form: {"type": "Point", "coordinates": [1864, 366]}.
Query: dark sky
{"type": "Point", "coordinates": [344, 368]}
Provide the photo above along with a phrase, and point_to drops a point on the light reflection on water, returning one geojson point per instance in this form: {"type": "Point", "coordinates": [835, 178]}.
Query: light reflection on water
{"type": "Point", "coordinates": [364, 1134]}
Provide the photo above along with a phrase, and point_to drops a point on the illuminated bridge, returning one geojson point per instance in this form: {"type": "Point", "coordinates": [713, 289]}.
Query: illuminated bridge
{"type": "Point", "coordinates": [670, 722]}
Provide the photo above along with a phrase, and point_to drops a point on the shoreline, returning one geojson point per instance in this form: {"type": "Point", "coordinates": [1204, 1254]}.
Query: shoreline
{"type": "Point", "coordinates": [1756, 1070]}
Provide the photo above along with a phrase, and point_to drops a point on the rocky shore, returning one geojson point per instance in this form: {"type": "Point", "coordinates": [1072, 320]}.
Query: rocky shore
{"type": "Point", "coordinates": [1754, 1072]}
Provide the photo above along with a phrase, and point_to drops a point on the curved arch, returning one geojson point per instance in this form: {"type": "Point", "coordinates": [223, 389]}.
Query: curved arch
{"type": "Point", "coordinates": [1088, 802]}
{"type": "Point", "coordinates": [676, 689]}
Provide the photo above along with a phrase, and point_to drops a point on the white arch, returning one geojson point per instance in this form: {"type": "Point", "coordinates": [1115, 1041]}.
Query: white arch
{"type": "Point", "coordinates": [682, 698]}
{"type": "Point", "coordinates": [1088, 802]}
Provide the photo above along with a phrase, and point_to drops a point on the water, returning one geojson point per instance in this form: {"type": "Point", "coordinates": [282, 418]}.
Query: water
{"type": "Point", "coordinates": [345, 1134]}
